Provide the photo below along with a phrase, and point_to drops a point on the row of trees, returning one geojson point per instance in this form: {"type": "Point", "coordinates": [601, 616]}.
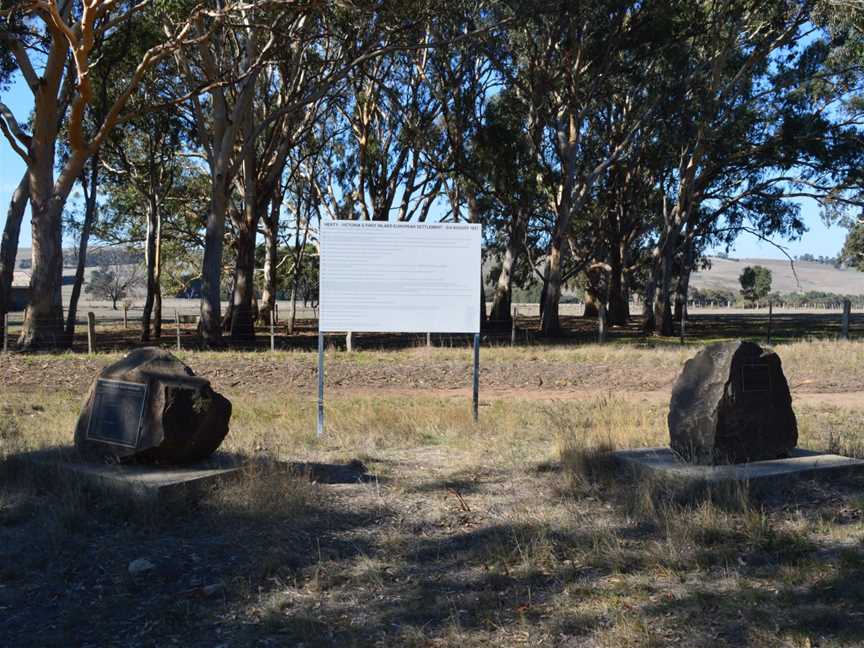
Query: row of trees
{"type": "Point", "coordinates": [606, 143]}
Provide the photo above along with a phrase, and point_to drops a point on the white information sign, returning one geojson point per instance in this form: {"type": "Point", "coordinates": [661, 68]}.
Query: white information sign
{"type": "Point", "coordinates": [400, 277]}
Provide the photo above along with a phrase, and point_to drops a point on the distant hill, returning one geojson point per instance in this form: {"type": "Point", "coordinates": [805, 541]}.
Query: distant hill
{"type": "Point", "coordinates": [95, 257]}
{"type": "Point", "coordinates": [724, 274]}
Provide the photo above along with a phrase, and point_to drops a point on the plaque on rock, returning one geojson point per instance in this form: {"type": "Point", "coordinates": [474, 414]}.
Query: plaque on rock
{"type": "Point", "coordinates": [118, 410]}
{"type": "Point", "coordinates": [149, 407]}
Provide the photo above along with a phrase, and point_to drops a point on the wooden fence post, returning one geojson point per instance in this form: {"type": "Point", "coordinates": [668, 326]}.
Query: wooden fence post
{"type": "Point", "coordinates": [770, 318]}
{"type": "Point", "coordinates": [847, 312]}
{"type": "Point", "coordinates": [272, 331]}
{"type": "Point", "coordinates": [428, 340]}
{"type": "Point", "coordinates": [601, 323]}
{"type": "Point", "coordinates": [91, 333]}
{"type": "Point", "coordinates": [125, 316]}
{"type": "Point", "coordinates": [177, 322]}
{"type": "Point", "coordinates": [349, 342]}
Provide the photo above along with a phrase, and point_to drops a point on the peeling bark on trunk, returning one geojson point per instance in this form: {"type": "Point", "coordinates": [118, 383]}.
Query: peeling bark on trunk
{"type": "Point", "coordinates": [501, 301]}
{"type": "Point", "coordinates": [271, 229]}
{"type": "Point", "coordinates": [9, 245]}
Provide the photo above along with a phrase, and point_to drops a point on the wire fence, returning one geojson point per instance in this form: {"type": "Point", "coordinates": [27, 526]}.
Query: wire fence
{"type": "Point", "coordinates": [179, 328]}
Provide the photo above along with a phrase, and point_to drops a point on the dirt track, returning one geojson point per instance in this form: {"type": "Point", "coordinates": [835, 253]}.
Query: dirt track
{"type": "Point", "coordinates": [525, 379]}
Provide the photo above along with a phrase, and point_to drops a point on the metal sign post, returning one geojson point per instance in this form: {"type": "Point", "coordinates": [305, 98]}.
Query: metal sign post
{"type": "Point", "coordinates": [475, 399]}
{"type": "Point", "coordinates": [320, 383]}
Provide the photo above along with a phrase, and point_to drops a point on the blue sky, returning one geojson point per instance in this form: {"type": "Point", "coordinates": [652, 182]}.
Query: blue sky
{"type": "Point", "coordinates": [819, 240]}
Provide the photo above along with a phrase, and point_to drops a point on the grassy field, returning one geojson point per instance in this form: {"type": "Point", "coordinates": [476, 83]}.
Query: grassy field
{"type": "Point", "coordinates": [513, 531]}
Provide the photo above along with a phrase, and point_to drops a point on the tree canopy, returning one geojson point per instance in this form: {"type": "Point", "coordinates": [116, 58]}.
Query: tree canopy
{"type": "Point", "coordinates": [607, 145]}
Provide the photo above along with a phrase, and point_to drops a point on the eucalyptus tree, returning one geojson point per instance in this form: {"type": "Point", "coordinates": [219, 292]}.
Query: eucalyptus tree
{"type": "Point", "coordinates": [562, 60]}
{"type": "Point", "coordinates": [20, 195]}
{"type": "Point", "coordinates": [389, 114]}
{"type": "Point", "coordinates": [226, 60]}
{"type": "Point", "coordinates": [509, 194]}
{"type": "Point", "coordinates": [144, 163]}
{"type": "Point", "coordinates": [287, 80]}
{"type": "Point", "coordinates": [54, 45]}
{"type": "Point", "coordinates": [724, 65]}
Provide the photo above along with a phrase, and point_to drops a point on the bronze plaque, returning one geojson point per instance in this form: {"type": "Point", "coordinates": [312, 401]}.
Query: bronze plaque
{"type": "Point", "coordinates": [117, 413]}
{"type": "Point", "coordinates": [755, 378]}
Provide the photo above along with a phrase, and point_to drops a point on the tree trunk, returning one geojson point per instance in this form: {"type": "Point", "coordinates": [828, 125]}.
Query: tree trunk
{"type": "Point", "coordinates": [683, 287]}
{"type": "Point", "coordinates": [292, 319]}
{"type": "Point", "coordinates": [151, 259]}
{"type": "Point", "coordinates": [211, 270]}
{"type": "Point", "coordinates": [9, 245]}
{"type": "Point", "coordinates": [591, 311]}
{"type": "Point", "coordinates": [502, 300]}
{"type": "Point", "coordinates": [89, 219]}
{"type": "Point", "coordinates": [242, 316]}
{"type": "Point", "coordinates": [662, 294]}
{"type": "Point", "coordinates": [43, 325]}
{"type": "Point", "coordinates": [543, 289]}
{"type": "Point", "coordinates": [648, 303]}
{"type": "Point", "coordinates": [271, 225]}
{"type": "Point", "coordinates": [550, 323]}
{"type": "Point", "coordinates": [243, 295]}
{"type": "Point", "coordinates": [619, 306]}
{"type": "Point", "coordinates": [157, 281]}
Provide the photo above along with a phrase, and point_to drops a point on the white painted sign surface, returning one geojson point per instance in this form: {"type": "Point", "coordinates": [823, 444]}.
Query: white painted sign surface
{"type": "Point", "coordinates": [400, 277]}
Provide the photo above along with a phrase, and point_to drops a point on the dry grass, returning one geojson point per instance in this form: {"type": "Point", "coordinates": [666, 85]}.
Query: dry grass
{"type": "Point", "coordinates": [519, 530]}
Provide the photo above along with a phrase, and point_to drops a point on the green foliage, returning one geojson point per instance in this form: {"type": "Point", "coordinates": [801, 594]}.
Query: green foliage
{"type": "Point", "coordinates": [755, 282]}
{"type": "Point", "coordinates": [853, 249]}
{"type": "Point", "coordinates": [712, 296]}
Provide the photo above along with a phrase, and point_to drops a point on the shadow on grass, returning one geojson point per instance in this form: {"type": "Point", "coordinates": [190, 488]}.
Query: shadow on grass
{"type": "Point", "coordinates": [274, 559]}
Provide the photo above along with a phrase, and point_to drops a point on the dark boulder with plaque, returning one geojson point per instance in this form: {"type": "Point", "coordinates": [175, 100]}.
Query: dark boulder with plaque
{"type": "Point", "coordinates": [731, 404]}
{"type": "Point", "coordinates": [151, 408]}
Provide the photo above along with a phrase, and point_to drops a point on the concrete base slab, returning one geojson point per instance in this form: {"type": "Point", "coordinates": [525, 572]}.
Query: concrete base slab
{"type": "Point", "coordinates": [140, 482]}
{"type": "Point", "coordinates": [663, 462]}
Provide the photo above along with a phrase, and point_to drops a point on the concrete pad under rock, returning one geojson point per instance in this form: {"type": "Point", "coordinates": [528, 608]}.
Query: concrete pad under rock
{"type": "Point", "coordinates": [136, 481]}
{"type": "Point", "coordinates": [664, 463]}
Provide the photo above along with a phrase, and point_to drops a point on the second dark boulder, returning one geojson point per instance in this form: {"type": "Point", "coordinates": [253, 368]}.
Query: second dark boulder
{"type": "Point", "coordinates": [732, 404]}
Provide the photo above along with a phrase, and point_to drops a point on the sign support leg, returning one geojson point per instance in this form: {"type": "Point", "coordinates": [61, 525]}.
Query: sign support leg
{"type": "Point", "coordinates": [320, 431]}
{"type": "Point", "coordinates": [475, 400]}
